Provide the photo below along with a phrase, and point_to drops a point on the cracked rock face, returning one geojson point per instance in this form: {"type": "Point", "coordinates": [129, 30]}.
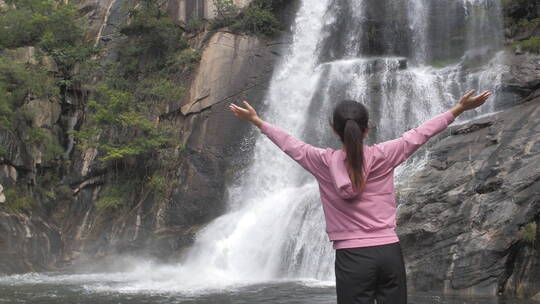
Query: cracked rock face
{"type": "Point", "coordinates": [28, 243]}
{"type": "Point", "coordinates": [230, 65]}
{"type": "Point", "coordinates": [461, 234]}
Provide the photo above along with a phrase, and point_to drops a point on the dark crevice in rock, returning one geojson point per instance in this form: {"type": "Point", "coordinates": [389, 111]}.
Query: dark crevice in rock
{"type": "Point", "coordinates": [488, 187]}
{"type": "Point", "coordinates": [438, 165]}
{"type": "Point", "coordinates": [190, 112]}
{"type": "Point", "coordinates": [20, 169]}
{"type": "Point", "coordinates": [471, 128]}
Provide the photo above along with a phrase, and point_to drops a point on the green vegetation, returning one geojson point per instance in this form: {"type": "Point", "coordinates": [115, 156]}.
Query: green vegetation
{"type": "Point", "coordinates": [521, 26]}
{"type": "Point", "coordinates": [52, 26]}
{"type": "Point", "coordinates": [151, 40]}
{"type": "Point", "coordinates": [152, 56]}
{"type": "Point", "coordinates": [116, 110]}
{"type": "Point", "coordinates": [524, 25]}
{"type": "Point", "coordinates": [46, 142]}
{"type": "Point", "coordinates": [112, 198]}
{"type": "Point", "coordinates": [49, 188]}
{"type": "Point", "coordinates": [527, 233]}
{"type": "Point", "coordinates": [17, 200]}
{"type": "Point", "coordinates": [117, 192]}
{"type": "Point", "coordinates": [44, 54]}
{"type": "Point", "coordinates": [54, 40]}
{"type": "Point", "coordinates": [522, 21]}
{"type": "Point", "coordinates": [158, 184]}
{"type": "Point", "coordinates": [226, 12]}
{"type": "Point", "coordinates": [258, 18]}
{"type": "Point", "coordinates": [18, 82]}
{"type": "Point", "coordinates": [194, 25]}
{"type": "Point", "coordinates": [530, 45]}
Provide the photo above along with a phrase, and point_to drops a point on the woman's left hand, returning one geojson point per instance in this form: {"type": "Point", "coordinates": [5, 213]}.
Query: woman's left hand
{"type": "Point", "coordinates": [248, 114]}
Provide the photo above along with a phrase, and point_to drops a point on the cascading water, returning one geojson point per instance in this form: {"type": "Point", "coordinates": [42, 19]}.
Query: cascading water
{"type": "Point", "coordinates": [343, 49]}
{"type": "Point", "coordinates": [407, 60]}
{"type": "Point", "coordinates": [251, 242]}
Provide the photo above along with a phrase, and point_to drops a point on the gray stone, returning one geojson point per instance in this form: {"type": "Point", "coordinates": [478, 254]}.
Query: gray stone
{"type": "Point", "coordinates": [44, 113]}
{"type": "Point", "coordinates": [461, 235]}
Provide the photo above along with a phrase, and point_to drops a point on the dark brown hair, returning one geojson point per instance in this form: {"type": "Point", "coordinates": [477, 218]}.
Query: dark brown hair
{"type": "Point", "coordinates": [350, 121]}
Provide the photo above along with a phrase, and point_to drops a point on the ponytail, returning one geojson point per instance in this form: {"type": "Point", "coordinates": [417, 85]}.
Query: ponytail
{"type": "Point", "coordinates": [350, 120]}
{"type": "Point", "coordinates": [353, 140]}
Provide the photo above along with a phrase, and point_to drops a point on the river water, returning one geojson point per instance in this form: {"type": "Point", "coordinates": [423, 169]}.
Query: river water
{"type": "Point", "coordinates": [121, 287]}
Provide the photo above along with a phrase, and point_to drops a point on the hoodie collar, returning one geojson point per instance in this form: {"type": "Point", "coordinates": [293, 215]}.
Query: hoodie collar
{"type": "Point", "coordinates": [340, 177]}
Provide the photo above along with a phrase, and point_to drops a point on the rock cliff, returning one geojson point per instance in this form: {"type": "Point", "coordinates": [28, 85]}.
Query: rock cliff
{"type": "Point", "coordinates": [232, 67]}
{"type": "Point", "coordinates": [464, 233]}
{"type": "Point", "coordinates": [469, 220]}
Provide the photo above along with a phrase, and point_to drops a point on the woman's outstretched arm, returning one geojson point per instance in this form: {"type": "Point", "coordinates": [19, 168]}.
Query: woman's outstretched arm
{"type": "Point", "coordinates": [309, 157]}
{"type": "Point", "coordinates": [399, 149]}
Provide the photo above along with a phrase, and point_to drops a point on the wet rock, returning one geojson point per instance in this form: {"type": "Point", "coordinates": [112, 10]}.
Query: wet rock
{"type": "Point", "coordinates": [522, 78]}
{"type": "Point", "coordinates": [27, 243]}
{"type": "Point", "coordinates": [459, 234]}
{"type": "Point", "coordinates": [471, 128]}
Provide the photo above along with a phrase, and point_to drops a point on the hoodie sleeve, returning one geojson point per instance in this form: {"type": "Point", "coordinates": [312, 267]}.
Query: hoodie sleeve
{"type": "Point", "coordinates": [398, 150]}
{"type": "Point", "coordinates": [309, 157]}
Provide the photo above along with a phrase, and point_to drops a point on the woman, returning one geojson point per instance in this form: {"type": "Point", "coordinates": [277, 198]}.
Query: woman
{"type": "Point", "coordinates": [357, 194]}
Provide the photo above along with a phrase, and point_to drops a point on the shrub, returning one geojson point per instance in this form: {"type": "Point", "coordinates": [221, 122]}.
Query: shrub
{"type": "Point", "coordinates": [527, 233]}
{"type": "Point", "coordinates": [152, 38]}
{"type": "Point", "coordinates": [112, 200]}
{"type": "Point", "coordinates": [144, 75]}
{"type": "Point", "coordinates": [187, 59]}
{"type": "Point", "coordinates": [44, 140]}
{"type": "Point", "coordinates": [155, 90]}
{"type": "Point", "coordinates": [116, 193]}
{"type": "Point", "coordinates": [226, 11]}
{"type": "Point", "coordinates": [194, 25]}
{"type": "Point", "coordinates": [257, 20]}
{"type": "Point", "coordinates": [158, 185]}
{"type": "Point", "coordinates": [52, 26]}
{"type": "Point", "coordinates": [530, 45]}
{"type": "Point", "coordinates": [116, 110]}
{"type": "Point", "coordinates": [17, 200]}
{"type": "Point", "coordinates": [19, 81]}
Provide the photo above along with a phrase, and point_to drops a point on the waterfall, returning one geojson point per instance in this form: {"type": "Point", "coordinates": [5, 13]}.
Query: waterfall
{"type": "Point", "coordinates": [406, 60]}
{"type": "Point", "coordinates": [344, 49]}
{"type": "Point", "coordinates": [252, 242]}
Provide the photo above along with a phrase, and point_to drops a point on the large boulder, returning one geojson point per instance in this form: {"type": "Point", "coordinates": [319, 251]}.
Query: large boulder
{"type": "Point", "coordinates": [461, 217]}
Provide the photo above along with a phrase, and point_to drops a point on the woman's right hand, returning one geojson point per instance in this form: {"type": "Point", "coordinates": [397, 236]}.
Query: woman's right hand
{"type": "Point", "coordinates": [468, 102]}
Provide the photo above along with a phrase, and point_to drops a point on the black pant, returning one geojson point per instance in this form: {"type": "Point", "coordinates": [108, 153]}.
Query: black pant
{"type": "Point", "coordinates": [367, 273]}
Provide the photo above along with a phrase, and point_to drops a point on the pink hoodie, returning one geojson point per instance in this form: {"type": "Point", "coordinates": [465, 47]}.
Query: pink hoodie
{"type": "Point", "coordinates": [366, 217]}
